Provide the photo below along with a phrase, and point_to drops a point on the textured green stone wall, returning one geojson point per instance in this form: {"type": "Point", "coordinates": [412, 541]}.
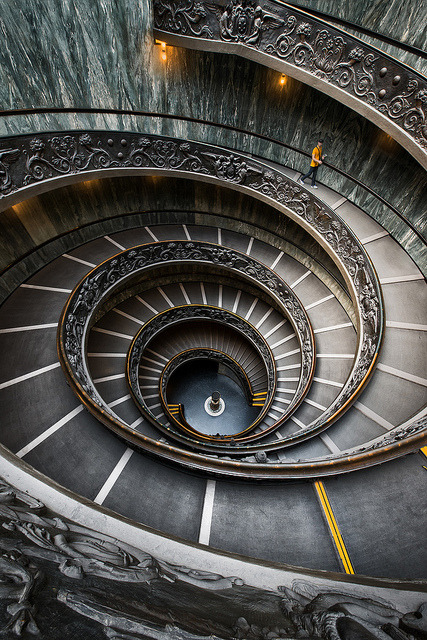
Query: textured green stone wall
{"type": "Point", "coordinates": [403, 20]}
{"type": "Point", "coordinates": [80, 53]}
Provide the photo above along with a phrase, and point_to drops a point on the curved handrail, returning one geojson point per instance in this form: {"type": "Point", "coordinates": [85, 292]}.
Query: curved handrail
{"type": "Point", "coordinates": [238, 172]}
{"type": "Point", "coordinates": [378, 86]}
{"type": "Point", "coordinates": [202, 162]}
{"type": "Point", "coordinates": [164, 320]}
{"type": "Point", "coordinates": [184, 313]}
{"type": "Point", "coordinates": [8, 179]}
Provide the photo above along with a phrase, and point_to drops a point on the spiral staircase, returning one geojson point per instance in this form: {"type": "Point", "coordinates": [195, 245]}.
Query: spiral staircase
{"type": "Point", "coordinates": [216, 271]}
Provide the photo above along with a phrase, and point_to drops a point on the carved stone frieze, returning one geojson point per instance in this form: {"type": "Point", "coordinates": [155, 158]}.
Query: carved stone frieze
{"type": "Point", "coordinates": [391, 88]}
{"type": "Point", "coordinates": [337, 615]}
{"type": "Point", "coordinates": [186, 18]}
{"type": "Point", "coordinates": [19, 580]}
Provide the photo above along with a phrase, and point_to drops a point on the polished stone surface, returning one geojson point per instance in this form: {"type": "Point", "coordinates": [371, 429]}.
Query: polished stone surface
{"type": "Point", "coordinates": [192, 383]}
{"type": "Point", "coordinates": [399, 19]}
{"type": "Point", "coordinates": [120, 37]}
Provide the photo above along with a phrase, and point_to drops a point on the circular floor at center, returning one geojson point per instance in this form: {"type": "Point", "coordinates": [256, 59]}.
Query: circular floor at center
{"type": "Point", "coordinates": [194, 382]}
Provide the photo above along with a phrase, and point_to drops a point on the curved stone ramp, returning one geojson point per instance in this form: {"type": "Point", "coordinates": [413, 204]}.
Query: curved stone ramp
{"type": "Point", "coordinates": [141, 307]}
{"type": "Point", "coordinates": [339, 332]}
{"type": "Point", "coordinates": [397, 389]}
{"type": "Point", "coordinates": [331, 325]}
{"type": "Point", "coordinates": [186, 498]}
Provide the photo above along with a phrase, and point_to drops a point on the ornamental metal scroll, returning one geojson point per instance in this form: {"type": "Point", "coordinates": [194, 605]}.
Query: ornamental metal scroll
{"type": "Point", "coordinates": [95, 289]}
{"type": "Point", "coordinates": [415, 427]}
{"type": "Point", "coordinates": [186, 313]}
{"type": "Point", "coordinates": [304, 43]}
{"type": "Point", "coordinates": [70, 154]}
{"type": "Point", "coordinates": [152, 153]}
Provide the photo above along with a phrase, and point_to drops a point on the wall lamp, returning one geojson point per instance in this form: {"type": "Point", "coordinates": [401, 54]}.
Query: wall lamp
{"type": "Point", "coordinates": [162, 49]}
{"type": "Point", "coordinates": [283, 79]}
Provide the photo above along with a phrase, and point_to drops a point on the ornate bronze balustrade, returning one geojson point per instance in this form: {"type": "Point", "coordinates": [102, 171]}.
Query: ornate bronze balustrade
{"type": "Point", "coordinates": [35, 164]}
{"type": "Point", "coordinates": [75, 156]}
{"type": "Point", "coordinates": [93, 292]}
{"type": "Point", "coordinates": [376, 85]}
{"type": "Point", "coordinates": [105, 280]}
{"type": "Point", "coordinates": [184, 314]}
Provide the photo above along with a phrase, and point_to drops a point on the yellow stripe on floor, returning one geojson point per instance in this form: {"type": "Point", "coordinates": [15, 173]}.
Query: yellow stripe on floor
{"type": "Point", "coordinates": [333, 526]}
{"type": "Point", "coordinates": [424, 451]}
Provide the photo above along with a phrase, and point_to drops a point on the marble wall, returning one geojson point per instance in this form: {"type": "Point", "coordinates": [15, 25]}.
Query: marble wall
{"type": "Point", "coordinates": [403, 20]}
{"type": "Point", "coordinates": [76, 53]}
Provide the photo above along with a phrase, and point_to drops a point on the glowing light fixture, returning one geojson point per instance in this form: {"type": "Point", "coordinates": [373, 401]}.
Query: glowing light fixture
{"type": "Point", "coordinates": [283, 79]}
{"type": "Point", "coordinates": [163, 53]}
{"type": "Point", "coordinates": [162, 46]}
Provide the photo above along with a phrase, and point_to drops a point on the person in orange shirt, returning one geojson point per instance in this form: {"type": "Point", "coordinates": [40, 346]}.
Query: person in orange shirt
{"type": "Point", "coordinates": [316, 160]}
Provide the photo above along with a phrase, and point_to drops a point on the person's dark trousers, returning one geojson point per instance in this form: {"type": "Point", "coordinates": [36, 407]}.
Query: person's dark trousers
{"type": "Point", "coordinates": [311, 172]}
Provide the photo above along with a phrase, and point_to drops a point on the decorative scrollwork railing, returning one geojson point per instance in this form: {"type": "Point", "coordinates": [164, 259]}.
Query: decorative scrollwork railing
{"type": "Point", "coordinates": [339, 20]}
{"type": "Point", "coordinates": [114, 274]}
{"type": "Point", "coordinates": [8, 187]}
{"type": "Point", "coordinates": [184, 314]}
{"type": "Point", "coordinates": [80, 158]}
{"type": "Point", "coordinates": [83, 153]}
{"type": "Point", "coordinates": [77, 156]}
{"type": "Point", "coordinates": [384, 90]}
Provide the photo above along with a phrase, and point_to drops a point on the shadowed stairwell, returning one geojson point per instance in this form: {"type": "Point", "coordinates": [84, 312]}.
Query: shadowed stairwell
{"type": "Point", "coordinates": [158, 249]}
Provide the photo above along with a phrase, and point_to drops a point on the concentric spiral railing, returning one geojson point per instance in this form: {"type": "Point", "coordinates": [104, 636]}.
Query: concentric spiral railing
{"type": "Point", "coordinates": [114, 274]}
{"type": "Point", "coordinates": [71, 156]}
{"type": "Point", "coordinates": [174, 318]}
{"type": "Point", "coordinates": [15, 155]}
